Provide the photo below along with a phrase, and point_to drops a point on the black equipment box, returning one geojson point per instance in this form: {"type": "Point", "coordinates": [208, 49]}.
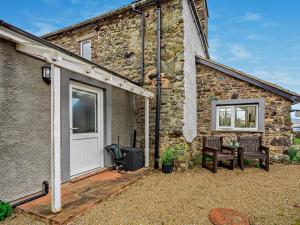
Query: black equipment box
{"type": "Point", "coordinates": [133, 158]}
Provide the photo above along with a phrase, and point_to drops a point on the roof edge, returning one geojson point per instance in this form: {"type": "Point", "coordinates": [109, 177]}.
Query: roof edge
{"type": "Point", "coordinates": [292, 96]}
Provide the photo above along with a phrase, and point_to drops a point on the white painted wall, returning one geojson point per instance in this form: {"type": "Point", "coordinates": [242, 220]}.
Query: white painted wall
{"type": "Point", "coordinates": [193, 46]}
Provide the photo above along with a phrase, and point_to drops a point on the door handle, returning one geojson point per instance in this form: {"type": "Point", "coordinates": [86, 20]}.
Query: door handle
{"type": "Point", "coordinates": [74, 128]}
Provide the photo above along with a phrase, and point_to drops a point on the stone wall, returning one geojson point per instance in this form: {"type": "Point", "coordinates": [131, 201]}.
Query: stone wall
{"type": "Point", "coordinates": [215, 85]}
{"type": "Point", "coordinates": [116, 45]}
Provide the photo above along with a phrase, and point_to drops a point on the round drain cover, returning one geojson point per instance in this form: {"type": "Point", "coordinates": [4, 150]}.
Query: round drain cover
{"type": "Point", "coordinates": [226, 216]}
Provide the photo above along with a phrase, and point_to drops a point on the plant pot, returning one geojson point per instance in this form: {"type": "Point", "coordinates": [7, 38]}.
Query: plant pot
{"type": "Point", "coordinates": [167, 168]}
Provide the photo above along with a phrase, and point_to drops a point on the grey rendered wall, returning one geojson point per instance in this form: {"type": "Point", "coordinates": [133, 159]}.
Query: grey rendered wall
{"type": "Point", "coordinates": [122, 116]}
{"type": "Point", "coordinates": [192, 46]}
{"type": "Point", "coordinates": [24, 124]}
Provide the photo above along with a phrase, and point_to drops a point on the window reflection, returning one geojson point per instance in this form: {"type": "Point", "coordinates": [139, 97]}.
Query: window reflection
{"type": "Point", "coordinates": [84, 106]}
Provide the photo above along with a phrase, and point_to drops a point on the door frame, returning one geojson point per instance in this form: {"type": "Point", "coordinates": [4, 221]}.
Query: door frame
{"type": "Point", "coordinates": [100, 121]}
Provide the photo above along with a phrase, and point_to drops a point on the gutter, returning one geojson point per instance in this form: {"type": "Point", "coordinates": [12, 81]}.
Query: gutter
{"type": "Point", "coordinates": [158, 83]}
{"type": "Point", "coordinates": [296, 100]}
{"type": "Point", "coordinates": [45, 192]}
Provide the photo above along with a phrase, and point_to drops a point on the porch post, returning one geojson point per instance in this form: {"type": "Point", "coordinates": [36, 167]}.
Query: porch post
{"type": "Point", "coordinates": [146, 132]}
{"type": "Point", "coordinates": [55, 139]}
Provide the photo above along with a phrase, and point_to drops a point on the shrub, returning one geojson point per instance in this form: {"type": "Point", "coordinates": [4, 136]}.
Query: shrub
{"type": "Point", "coordinates": [292, 153]}
{"type": "Point", "coordinates": [180, 151]}
{"type": "Point", "coordinates": [167, 157]}
{"type": "Point", "coordinates": [247, 161]}
{"type": "Point", "coordinates": [5, 210]}
{"type": "Point", "coordinates": [197, 161]}
{"type": "Point", "coordinates": [296, 159]}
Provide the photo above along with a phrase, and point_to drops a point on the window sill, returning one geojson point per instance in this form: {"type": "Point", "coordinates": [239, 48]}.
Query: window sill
{"type": "Point", "coordinates": [239, 131]}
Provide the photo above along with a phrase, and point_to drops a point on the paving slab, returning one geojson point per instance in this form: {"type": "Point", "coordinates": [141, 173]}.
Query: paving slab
{"type": "Point", "coordinates": [82, 195]}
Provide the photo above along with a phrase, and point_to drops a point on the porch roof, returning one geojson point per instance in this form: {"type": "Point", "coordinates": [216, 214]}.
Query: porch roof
{"type": "Point", "coordinates": [268, 86]}
{"type": "Point", "coordinates": [37, 47]}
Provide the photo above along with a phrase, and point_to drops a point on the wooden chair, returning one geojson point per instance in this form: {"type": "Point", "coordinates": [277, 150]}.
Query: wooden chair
{"type": "Point", "coordinates": [213, 148]}
{"type": "Point", "coordinates": [252, 148]}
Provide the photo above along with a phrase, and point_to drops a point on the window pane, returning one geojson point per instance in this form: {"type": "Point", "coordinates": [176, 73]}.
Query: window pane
{"type": "Point", "coordinates": [245, 116]}
{"type": "Point", "coordinates": [84, 106]}
{"type": "Point", "coordinates": [225, 116]}
{"type": "Point", "coordinates": [86, 49]}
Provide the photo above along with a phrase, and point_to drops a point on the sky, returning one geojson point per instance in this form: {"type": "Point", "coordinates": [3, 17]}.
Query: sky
{"type": "Point", "coordinates": [259, 37]}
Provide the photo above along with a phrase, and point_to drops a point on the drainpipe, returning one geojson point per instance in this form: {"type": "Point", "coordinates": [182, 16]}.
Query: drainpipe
{"type": "Point", "coordinates": [45, 192]}
{"type": "Point", "coordinates": [158, 83]}
{"type": "Point", "coordinates": [141, 13]}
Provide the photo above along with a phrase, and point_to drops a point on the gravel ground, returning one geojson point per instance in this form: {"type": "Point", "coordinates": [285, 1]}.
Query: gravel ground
{"type": "Point", "coordinates": [186, 198]}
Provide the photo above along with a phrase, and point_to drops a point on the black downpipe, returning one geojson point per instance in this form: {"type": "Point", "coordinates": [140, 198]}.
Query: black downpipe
{"type": "Point", "coordinates": [134, 139]}
{"type": "Point", "coordinates": [142, 44]}
{"type": "Point", "coordinates": [158, 84]}
{"type": "Point", "coordinates": [45, 192]}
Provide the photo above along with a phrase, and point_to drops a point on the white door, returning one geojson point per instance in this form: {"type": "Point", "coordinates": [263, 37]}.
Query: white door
{"type": "Point", "coordinates": [86, 132]}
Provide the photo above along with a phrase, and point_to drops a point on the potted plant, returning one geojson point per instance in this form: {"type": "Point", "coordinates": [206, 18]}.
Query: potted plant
{"type": "Point", "coordinates": [167, 160]}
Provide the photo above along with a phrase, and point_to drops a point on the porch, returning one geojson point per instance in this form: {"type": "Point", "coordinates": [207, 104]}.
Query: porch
{"type": "Point", "coordinates": [80, 196]}
{"type": "Point", "coordinates": [86, 107]}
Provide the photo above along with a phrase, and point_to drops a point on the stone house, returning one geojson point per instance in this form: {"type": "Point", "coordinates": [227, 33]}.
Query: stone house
{"type": "Point", "coordinates": [189, 88]}
{"type": "Point", "coordinates": [114, 63]}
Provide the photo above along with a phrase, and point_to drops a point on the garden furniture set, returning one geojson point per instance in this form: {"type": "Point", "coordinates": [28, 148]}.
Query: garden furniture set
{"type": "Point", "coordinates": [246, 148]}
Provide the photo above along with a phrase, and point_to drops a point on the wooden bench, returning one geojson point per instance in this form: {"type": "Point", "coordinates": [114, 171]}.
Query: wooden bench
{"type": "Point", "coordinates": [252, 148]}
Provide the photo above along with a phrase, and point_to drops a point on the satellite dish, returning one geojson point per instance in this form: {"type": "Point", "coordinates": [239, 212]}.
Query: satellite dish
{"type": "Point", "coordinates": [297, 113]}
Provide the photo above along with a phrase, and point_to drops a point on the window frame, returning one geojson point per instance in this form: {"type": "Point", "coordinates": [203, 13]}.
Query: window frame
{"type": "Point", "coordinates": [233, 118]}
{"type": "Point", "coordinates": [81, 48]}
{"type": "Point", "coordinates": [260, 113]}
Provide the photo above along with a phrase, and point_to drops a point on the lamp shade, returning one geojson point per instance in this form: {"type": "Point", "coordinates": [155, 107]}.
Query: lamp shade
{"type": "Point", "coordinates": [46, 74]}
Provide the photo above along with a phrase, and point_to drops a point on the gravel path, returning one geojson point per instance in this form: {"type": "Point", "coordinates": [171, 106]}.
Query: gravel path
{"type": "Point", "coordinates": [186, 198]}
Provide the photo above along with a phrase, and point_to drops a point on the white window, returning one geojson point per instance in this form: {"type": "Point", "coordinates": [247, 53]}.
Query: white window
{"type": "Point", "coordinates": [237, 117]}
{"type": "Point", "coordinates": [85, 49]}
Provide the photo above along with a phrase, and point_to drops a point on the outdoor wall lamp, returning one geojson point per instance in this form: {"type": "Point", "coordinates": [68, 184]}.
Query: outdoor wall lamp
{"type": "Point", "coordinates": [46, 74]}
